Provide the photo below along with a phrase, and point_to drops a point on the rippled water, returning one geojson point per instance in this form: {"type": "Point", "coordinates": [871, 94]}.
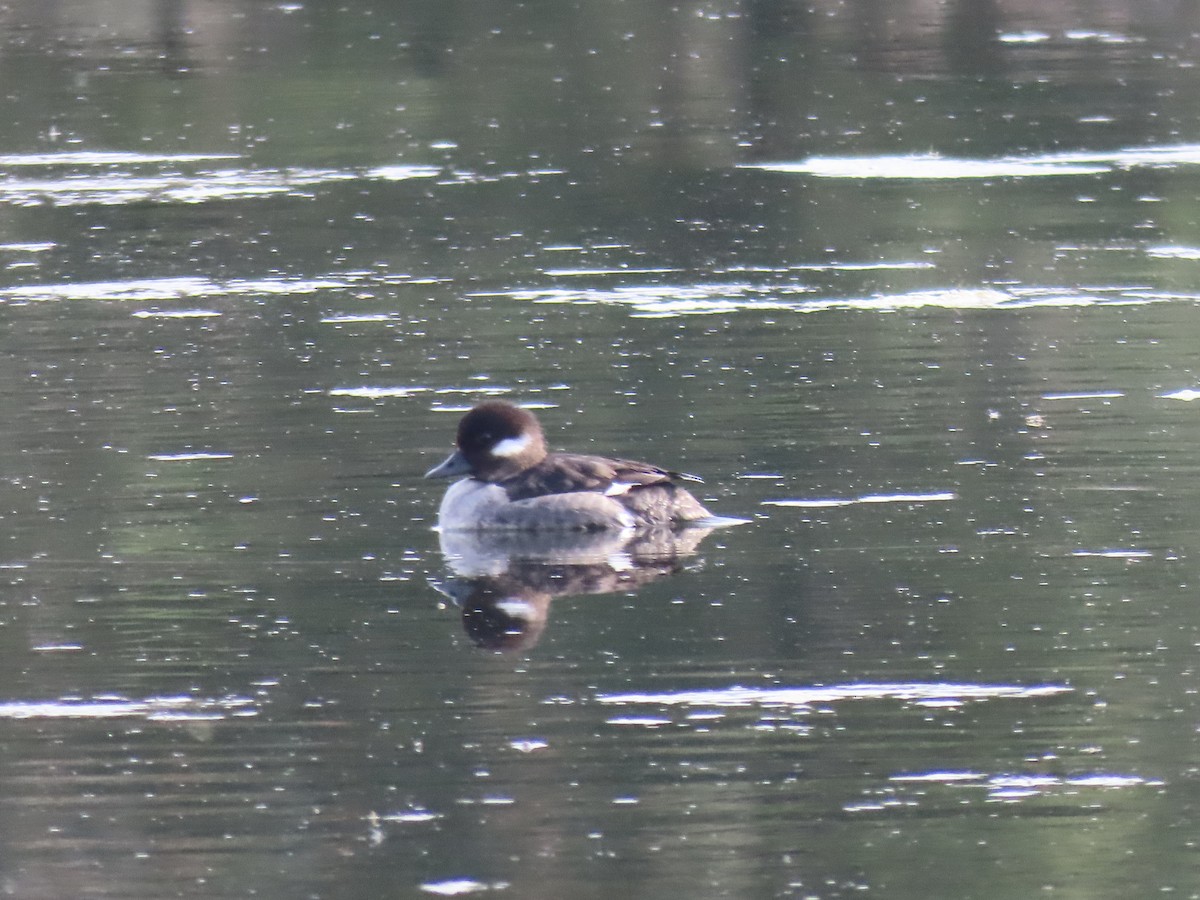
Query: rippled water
{"type": "Point", "coordinates": [914, 291]}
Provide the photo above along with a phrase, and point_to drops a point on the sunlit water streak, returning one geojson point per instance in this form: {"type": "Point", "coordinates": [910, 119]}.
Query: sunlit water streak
{"type": "Point", "coordinates": [1170, 251]}
{"type": "Point", "coordinates": [176, 314]}
{"type": "Point", "coordinates": [379, 392]}
{"type": "Point", "coordinates": [927, 167]}
{"type": "Point", "coordinates": [1115, 553]}
{"type": "Point", "coordinates": [458, 887]}
{"type": "Point", "coordinates": [807, 696]}
{"type": "Point", "coordinates": [151, 708]}
{"type": "Point", "coordinates": [106, 158]}
{"type": "Point", "coordinates": [110, 188]}
{"type": "Point", "coordinates": [1031, 36]}
{"type": "Point", "coordinates": [188, 456]}
{"type": "Point", "coordinates": [668, 300]}
{"type": "Point", "coordinates": [28, 248]}
{"type": "Point", "coordinates": [361, 319]}
{"type": "Point", "coordinates": [645, 301]}
{"type": "Point", "coordinates": [1083, 395]}
{"type": "Point", "coordinates": [182, 288]}
{"type": "Point", "coordinates": [591, 272]}
{"type": "Point", "coordinates": [1007, 787]}
{"type": "Point", "coordinates": [826, 502]}
{"type": "Point", "coordinates": [938, 167]}
{"type": "Point", "coordinates": [408, 816]}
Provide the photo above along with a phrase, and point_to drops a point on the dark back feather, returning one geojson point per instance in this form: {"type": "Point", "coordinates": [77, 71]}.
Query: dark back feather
{"type": "Point", "coordinates": [561, 473]}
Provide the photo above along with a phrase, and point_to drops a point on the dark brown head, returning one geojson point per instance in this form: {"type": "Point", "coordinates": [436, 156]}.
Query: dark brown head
{"type": "Point", "coordinates": [496, 440]}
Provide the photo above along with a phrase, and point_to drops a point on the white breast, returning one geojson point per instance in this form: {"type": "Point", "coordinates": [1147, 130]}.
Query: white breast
{"type": "Point", "coordinates": [468, 503]}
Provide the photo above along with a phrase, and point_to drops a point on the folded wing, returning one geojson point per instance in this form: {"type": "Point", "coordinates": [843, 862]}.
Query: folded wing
{"type": "Point", "coordinates": [566, 473]}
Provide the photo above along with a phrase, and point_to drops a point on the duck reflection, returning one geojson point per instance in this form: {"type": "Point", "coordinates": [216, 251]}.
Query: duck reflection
{"type": "Point", "coordinates": [503, 581]}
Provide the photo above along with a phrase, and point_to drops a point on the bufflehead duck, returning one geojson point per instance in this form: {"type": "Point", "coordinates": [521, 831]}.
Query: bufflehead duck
{"type": "Point", "coordinates": [514, 483]}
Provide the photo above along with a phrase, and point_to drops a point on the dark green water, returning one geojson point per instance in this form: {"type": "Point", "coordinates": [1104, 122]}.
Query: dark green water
{"type": "Point", "coordinates": [915, 287]}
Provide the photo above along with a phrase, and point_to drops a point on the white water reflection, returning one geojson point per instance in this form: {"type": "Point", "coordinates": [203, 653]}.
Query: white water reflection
{"type": "Point", "coordinates": [807, 696]}
{"type": "Point", "coordinates": [182, 708]}
{"type": "Point", "coordinates": [592, 271]}
{"type": "Point", "coordinates": [176, 314]}
{"type": "Point", "coordinates": [379, 392]}
{"type": "Point", "coordinates": [458, 887]}
{"type": "Point", "coordinates": [668, 300]}
{"type": "Point", "coordinates": [1031, 36]}
{"type": "Point", "coordinates": [935, 166]}
{"type": "Point", "coordinates": [188, 456]}
{"type": "Point", "coordinates": [927, 167]}
{"type": "Point", "coordinates": [663, 300]}
{"type": "Point", "coordinates": [1083, 395]}
{"type": "Point", "coordinates": [1115, 553]}
{"type": "Point", "coordinates": [1005, 787]}
{"type": "Point", "coordinates": [119, 187]}
{"type": "Point", "coordinates": [41, 247]}
{"type": "Point", "coordinates": [1023, 37]}
{"type": "Point", "coordinates": [826, 502]}
{"type": "Point", "coordinates": [105, 158]}
{"type": "Point", "coordinates": [1172, 251]}
{"type": "Point", "coordinates": [181, 288]}
{"type": "Point", "coordinates": [644, 300]}
{"type": "Point", "coordinates": [361, 319]}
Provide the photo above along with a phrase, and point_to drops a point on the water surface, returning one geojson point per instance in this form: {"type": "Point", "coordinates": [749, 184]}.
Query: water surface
{"type": "Point", "coordinates": [914, 291]}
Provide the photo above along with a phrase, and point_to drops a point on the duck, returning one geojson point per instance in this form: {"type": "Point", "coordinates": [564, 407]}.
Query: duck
{"type": "Point", "coordinates": [512, 482]}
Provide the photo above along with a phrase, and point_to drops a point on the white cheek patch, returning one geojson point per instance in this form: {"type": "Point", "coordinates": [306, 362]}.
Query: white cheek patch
{"type": "Point", "coordinates": [513, 446]}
